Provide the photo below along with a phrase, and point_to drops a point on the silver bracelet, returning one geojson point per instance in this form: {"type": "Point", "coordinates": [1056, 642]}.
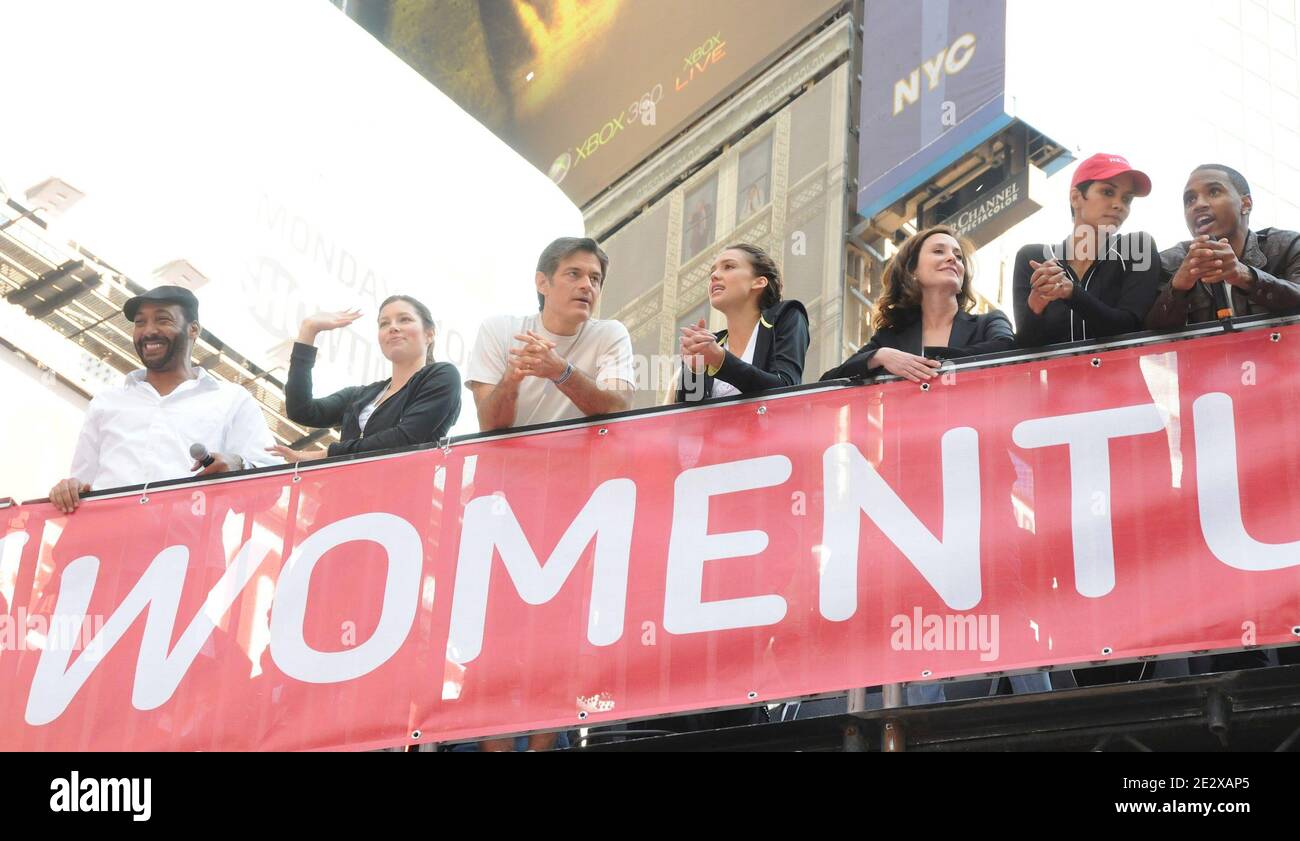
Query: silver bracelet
{"type": "Point", "coordinates": [568, 372]}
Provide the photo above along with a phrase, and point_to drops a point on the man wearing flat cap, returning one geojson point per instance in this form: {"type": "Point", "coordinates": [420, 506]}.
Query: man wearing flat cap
{"type": "Point", "coordinates": [143, 430]}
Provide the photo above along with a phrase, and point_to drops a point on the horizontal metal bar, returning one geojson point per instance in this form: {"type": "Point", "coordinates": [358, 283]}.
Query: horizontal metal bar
{"type": "Point", "coordinates": [1253, 323]}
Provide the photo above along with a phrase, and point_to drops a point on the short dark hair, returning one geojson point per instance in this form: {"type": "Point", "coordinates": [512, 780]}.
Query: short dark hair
{"type": "Point", "coordinates": [567, 247]}
{"type": "Point", "coordinates": [762, 265]}
{"type": "Point", "coordinates": [1082, 187]}
{"type": "Point", "coordinates": [1238, 180]}
{"type": "Point", "coordinates": [422, 311]}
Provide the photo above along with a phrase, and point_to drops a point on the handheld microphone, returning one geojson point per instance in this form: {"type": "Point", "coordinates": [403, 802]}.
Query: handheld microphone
{"type": "Point", "coordinates": [200, 453]}
{"type": "Point", "coordinates": [1221, 307]}
{"type": "Point", "coordinates": [1220, 293]}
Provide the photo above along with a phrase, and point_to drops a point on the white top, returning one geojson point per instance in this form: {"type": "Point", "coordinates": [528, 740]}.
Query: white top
{"type": "Point", "coordinates": [133, 435]}
{"type": "Point", "coordinates": [364, 414]}
{"type": "Point", "coordinates": [601, 349]}
{"type": "Point", "coordinates": [723, 389]}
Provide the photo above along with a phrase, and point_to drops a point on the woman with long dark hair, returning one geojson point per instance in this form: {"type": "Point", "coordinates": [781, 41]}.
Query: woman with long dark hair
{"type": "Point", "coordinates": [765, 340]}
{"type": "Point", "coordinates": [923, 314]}
{"type": "Point", "coordinates": [416, 405]}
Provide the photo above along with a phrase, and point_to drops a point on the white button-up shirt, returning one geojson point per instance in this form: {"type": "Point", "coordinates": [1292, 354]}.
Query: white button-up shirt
{"type": "Point", "coordinates": [134, 435]}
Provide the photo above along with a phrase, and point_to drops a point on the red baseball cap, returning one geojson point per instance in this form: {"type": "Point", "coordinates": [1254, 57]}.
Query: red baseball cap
{"type": "Point", "coordinates": [1102, 166]}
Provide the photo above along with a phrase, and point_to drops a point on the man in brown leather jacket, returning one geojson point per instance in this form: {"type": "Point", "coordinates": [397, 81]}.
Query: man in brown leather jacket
{"type": "Point", "coordinates": [1227, 269]}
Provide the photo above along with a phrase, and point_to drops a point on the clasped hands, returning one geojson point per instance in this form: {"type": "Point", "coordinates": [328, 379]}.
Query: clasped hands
{"type": "Point", "coordinates": [1049, 282]}
{"type": "Point", "coordinates": [700, 348]}
{"type": "Point", "coordinates": [1211, 261]}
{"type": "Point", "coordinates": [537, 358]}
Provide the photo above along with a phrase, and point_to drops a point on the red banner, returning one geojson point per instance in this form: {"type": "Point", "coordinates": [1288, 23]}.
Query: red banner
{"type": "Point", "coordinates": [1084, 509]}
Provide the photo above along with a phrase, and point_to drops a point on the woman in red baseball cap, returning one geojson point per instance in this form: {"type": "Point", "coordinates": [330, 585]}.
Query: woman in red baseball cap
{"type": "Point", "coordinates": [1097, 283]}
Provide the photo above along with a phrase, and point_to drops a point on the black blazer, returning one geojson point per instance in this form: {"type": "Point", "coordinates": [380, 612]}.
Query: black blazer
{"type": "Point", "coordinates": [971, 335]}
{"type": "Point", "coordinates": [421, 412]}
{"type": "Point", "coordinates": [782, 343]}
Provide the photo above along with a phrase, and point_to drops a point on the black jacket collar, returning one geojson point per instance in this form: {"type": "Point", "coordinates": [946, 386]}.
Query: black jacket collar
{"type": "Point", "coordinates": [963, 328]}
{"type": "Point", "coordinates": [763, 333]}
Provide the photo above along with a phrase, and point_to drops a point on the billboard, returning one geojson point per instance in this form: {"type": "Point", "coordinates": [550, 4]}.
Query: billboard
{"type": "Point", "coordinates": [933, 78]}
{"type": "Point", "coordinates": [295, 188]}
{"type": "Point", "coordinates": [996, 207]}
{"type": "Point", "coordinates": [586, 89]}
{"type": "Point", "coordinates": [1011, 518]}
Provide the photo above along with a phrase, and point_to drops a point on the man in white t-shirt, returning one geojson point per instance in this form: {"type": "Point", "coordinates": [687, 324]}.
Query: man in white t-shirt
{"type": "Point", "coordinates": [560, 363]}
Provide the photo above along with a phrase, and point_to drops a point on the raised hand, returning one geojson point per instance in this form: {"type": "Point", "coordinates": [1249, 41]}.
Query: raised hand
{"type": "Point", "coordinates": [324, 321]}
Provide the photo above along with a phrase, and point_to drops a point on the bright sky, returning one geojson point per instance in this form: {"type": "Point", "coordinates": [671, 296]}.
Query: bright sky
{"type": "Point", "coordinates": [1168, 84]}
{"type": "Point", "coordinates": [286, 154]}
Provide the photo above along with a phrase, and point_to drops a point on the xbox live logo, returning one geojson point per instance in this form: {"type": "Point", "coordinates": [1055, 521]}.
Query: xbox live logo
{"type": "Point", "coordinates": [560, 168]}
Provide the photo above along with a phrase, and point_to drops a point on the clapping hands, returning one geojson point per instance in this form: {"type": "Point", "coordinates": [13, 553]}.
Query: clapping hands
{"type": "Point", "coordinates": [700, 347]}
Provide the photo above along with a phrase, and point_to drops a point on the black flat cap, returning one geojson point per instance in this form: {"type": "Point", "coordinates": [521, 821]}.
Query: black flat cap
{"type": "Point", "coordinates": [164, 294]}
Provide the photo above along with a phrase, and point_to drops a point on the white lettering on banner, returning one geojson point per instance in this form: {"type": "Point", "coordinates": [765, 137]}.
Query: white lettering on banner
{"type": "Point", "coordinates": [1218, 494]}
{"type": "Point", "coordinates": [852, 487]}
{"type": "Point", "coordinates": [490, 524]}
{"type": "Point", "coordinates": [690, 545]}
{"type": "Point", "coordinates": [290, 651]}
{"type": "Point", "coordinates": [11, 553]}
{"type": "Point", "coordinates": [907, 90]}
{"type": "Point", "coordinates": [949, 560]}
{"type": "Point", "coordinates": [157, 673]}
{"type": "Point", "coordinates": [1088, 435]}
